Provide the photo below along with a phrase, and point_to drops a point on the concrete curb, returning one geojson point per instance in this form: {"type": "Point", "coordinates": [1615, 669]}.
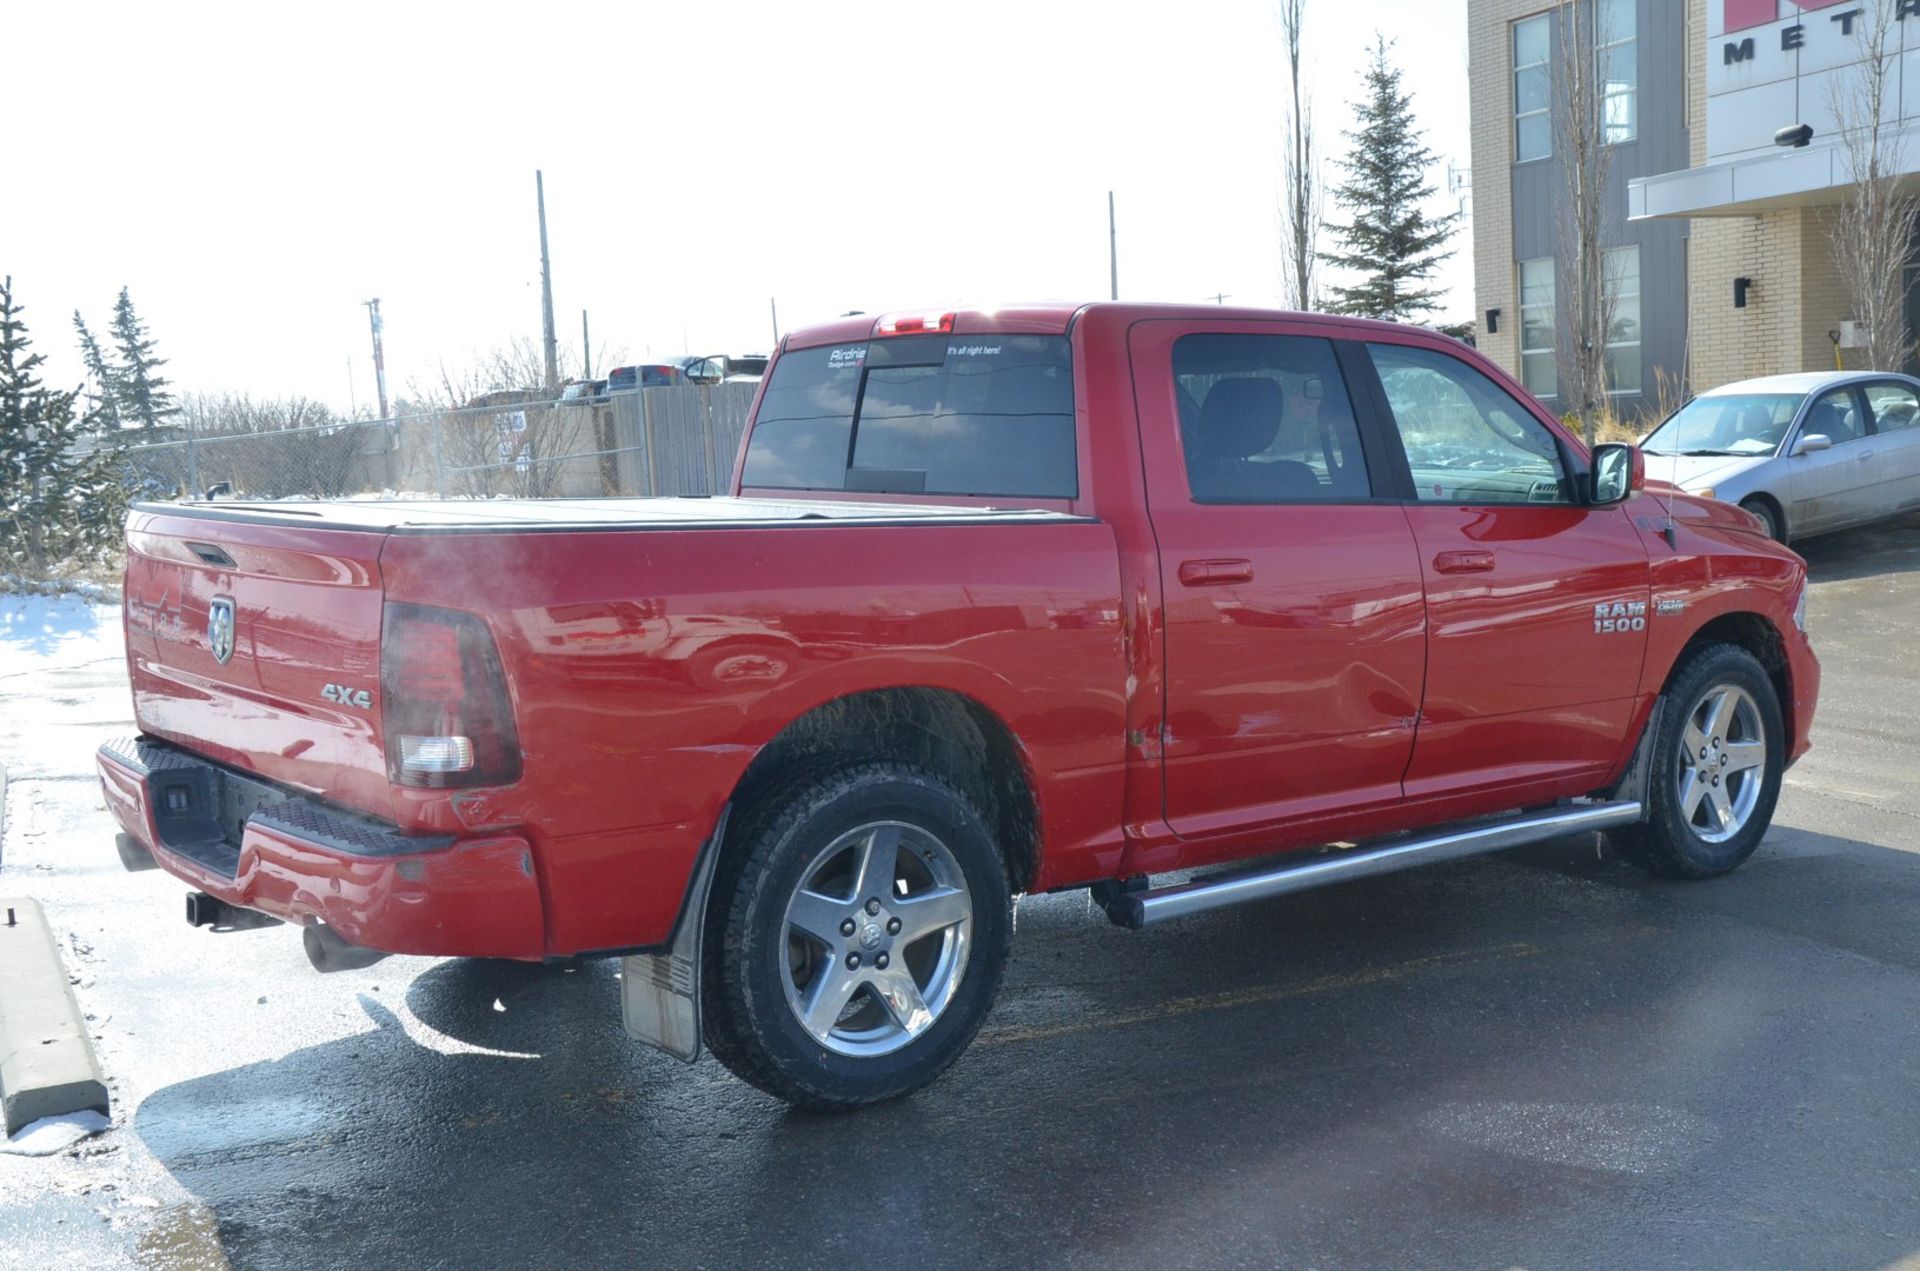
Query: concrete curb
{"type": "Point", "coordinates": [47, 1064]}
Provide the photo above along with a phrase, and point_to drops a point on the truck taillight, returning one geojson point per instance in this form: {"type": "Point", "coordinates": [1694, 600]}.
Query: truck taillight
{"type": "Point", "coordinates": [447, 717]}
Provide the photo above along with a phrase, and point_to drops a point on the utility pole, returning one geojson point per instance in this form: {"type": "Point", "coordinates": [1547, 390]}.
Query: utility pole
{"type": "Point", "coordinates": [1218, 298]}
{"type": "Point", "coordinates": [1113, 245]}
{"type": "Point", "coordinates": [379, 358]}
{"type": "Point", "coordinates": [546, 288]}
{"type": "Point", "coordinates": [586, 349]}
{"type": "Point", "coordinates": [774, 308]}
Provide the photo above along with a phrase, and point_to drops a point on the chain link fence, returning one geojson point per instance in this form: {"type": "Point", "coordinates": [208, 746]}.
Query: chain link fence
{"type": "Point", "coordinates": [679, 439]}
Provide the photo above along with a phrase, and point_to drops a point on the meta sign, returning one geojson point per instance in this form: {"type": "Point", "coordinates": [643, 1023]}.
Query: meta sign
{"type": "Point", "coordinates": [1775, 64]}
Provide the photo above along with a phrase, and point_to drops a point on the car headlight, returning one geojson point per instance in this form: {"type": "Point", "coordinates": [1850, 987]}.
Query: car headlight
{"type": "Point", "coordinates": [1800, 609]}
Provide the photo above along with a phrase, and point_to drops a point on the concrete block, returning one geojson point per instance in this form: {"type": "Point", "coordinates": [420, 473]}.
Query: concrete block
{"type": "Point", "coordinates": [47, 1064]}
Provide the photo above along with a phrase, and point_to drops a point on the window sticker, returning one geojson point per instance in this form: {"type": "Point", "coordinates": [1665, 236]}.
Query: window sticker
{"type": "Point", "coordinates": [973, 350]}
{"type": "Point", "coordinates": [840, 359]}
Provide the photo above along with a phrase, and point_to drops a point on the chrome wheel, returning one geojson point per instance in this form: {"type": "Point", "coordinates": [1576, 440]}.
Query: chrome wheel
{"type": "Point", "coordinates": [1722, 764]}
{"type": "Point", "coordinates": [877, 938]}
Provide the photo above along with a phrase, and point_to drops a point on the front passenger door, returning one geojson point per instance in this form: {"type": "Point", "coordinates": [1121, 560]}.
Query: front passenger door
{"type": "Point", "coordinates": [1828, 485]}
{"type": "Point", "coordinates": [1536, 604]}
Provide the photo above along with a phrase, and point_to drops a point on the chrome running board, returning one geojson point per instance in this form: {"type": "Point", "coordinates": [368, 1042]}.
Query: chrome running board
{"type": "Point", "coordinates": [1138, 909]}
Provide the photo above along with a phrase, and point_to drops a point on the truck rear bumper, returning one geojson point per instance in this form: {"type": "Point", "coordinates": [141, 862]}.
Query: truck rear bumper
{"type": "Point", "coordinates": [256, 845]}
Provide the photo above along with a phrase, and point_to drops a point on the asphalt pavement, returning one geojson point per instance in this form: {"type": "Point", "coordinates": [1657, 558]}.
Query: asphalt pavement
{"type": "Point", "coordinates": [1539, 1059]}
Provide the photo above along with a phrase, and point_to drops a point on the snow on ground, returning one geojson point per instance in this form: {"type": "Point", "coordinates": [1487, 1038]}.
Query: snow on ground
{"type": "Point", "coordinates": [53, 1134]}
{"type": "Point", "coordinates": [43, 633]}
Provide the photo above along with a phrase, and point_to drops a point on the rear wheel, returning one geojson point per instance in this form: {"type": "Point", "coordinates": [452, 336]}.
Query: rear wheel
{"type": "Point", "coordinates": [862, 921]}
{"type": "Point", "coordinates": [1718, 757]}
{"type": "Point", "coordinates": [1770, 516]}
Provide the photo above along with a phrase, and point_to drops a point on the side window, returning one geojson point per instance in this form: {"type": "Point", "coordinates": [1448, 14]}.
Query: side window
{"type": "Point", "coordinates": [1466, 439]}
{"type": "Point", "coordinates": [1835, 417]}
{"type": "Point", "coordinates": [1894, 406]}
{"type": "Point", "coordinates": [1266, 419]}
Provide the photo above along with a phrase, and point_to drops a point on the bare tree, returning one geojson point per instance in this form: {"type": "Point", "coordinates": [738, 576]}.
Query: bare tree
{"type": "Point", "coordinates": [1302, 203]}
{"type": "Point", "coordinates": [1587, 292]}
{"type": "Point", "coordinates": [1872, 231]}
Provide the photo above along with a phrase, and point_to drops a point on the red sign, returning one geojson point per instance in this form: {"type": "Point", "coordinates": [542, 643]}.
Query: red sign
{"type": "Point", "coordinates": [1741, 14]}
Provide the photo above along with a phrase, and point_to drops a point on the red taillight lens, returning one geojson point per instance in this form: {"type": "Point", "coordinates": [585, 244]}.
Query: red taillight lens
{"type": "Point", "coordinates": [914, 324]}
{"type": "Point", "coordinates": [446, 714]}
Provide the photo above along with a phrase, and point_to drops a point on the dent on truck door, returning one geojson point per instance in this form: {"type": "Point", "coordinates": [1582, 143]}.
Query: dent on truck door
{"type": "Point", "coordinates": [1537, 607]}
{"type": "Point", "coordinates": [1294, 645]}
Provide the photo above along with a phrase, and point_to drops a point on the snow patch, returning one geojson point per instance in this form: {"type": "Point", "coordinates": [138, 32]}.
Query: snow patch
{"type": "Point", "coordinates": [41, 633]}
{"type": "Point", "coordinates": [54, 1134]}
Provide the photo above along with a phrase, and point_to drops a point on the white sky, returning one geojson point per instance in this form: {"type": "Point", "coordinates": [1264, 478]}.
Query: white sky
{"type": "Point", "coordinates": [253, 172]}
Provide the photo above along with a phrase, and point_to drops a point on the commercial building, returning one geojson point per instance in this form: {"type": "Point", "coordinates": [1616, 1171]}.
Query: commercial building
{"type": "Point", "coordinates": [1718, 224]}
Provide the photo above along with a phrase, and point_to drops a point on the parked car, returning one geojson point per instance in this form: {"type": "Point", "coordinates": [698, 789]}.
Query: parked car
{"type": "Point", "coordinates": [726, 368]}
{"type": "Point", "coordinates": [624, 379]}
{"type": "Point", "coordinates": [1005, 601]}
{"type": "Point", "coordinates": [583, 392]}
{"type": "Point", "coordinates": [1805, 453]}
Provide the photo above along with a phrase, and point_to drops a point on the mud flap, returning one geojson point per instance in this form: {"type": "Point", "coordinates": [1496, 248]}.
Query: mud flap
{"type": "Point", "coordinates": [660, 992]}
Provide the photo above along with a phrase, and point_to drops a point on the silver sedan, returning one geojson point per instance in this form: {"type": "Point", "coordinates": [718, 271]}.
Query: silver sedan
{"type": "Point", "coordinates": [1805, 453]}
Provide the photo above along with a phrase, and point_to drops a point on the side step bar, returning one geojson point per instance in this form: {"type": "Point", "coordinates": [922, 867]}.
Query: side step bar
{"type": "Point", "coordinates": [1137, 909]}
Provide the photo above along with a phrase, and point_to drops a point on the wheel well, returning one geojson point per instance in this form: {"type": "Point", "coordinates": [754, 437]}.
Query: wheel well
{"type": "Point", "coordinates": [1757, 636]}
{"type": "Point", "coordinates": [947, 733]}
{"type": "Point", "coordinates": [1779, 513]}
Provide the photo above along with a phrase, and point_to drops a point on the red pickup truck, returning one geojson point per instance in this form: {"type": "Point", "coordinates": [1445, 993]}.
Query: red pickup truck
{"type": "Point", "coordinates": [1002, 601]}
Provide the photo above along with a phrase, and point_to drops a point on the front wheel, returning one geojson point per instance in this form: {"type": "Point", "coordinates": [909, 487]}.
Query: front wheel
{"type": "Point", "coordinates": [861, 921]}
{"type": "Point", "coordinates": [1718, 757]}
{"type": "Point", "coordinates": [1769, 516]}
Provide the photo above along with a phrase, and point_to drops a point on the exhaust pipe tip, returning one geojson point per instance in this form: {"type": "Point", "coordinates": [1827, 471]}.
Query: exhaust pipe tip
{"type": "Point", "coordinates": [329, 953]}
{"type": "Point", "coordinates": [134, 857]}
{"type": "Point", "coordinates": [211, 911]}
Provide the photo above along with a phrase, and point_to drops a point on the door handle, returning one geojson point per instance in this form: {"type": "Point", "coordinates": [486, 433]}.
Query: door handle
{"type": "Point", "coordinates": [1215, 573]}
{"type": "Point", "coordinates": [1463, 562]}
{"type": "Point", "coordinates": [1863, 456]}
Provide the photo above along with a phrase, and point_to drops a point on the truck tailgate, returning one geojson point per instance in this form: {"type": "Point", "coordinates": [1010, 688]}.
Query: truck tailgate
{"type": "Point", "coordinates": [296, 611]}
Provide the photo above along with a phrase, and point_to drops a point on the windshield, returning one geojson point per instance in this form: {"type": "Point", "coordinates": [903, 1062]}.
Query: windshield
{"type": "Point", "coordinates": [1726, 424]}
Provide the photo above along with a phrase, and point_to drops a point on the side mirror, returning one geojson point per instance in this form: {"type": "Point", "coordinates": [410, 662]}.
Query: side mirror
{"type": "Point", "coordinates": [1617, 472]}
{"type": "Point", "coordinates": [1812, 442]}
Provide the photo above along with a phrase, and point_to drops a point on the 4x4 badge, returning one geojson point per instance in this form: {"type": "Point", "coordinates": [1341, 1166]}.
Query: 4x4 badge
{"type": "Point", "coordinates": [348, 696]}
{"type": "Point", "coordinates": [220, 629]}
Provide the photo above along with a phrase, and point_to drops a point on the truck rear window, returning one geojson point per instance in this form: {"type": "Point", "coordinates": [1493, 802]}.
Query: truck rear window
{"type": "Point", "coordinates": [977, 414]}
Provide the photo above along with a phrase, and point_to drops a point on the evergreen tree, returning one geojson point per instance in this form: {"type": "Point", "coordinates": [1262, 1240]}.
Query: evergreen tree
{"type": "Point", "coordinates": [1389, 239]}
{"type": "Point", "coordinates": [59, 503]}
{"type": "Point", "coordinates": [102, 398]}
{"type": "Point", "coordinates": [140, 395]}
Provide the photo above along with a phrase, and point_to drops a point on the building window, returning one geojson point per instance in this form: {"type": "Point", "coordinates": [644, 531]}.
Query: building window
{"type": "Point", "coordinates": [1623, 334]}
{"type": "Point", "coordinates": [1616, 50]}
{"type": "Point", "coordinates": [1532, 89]}
{"type": "Point", "coordinates": [1537, 369]}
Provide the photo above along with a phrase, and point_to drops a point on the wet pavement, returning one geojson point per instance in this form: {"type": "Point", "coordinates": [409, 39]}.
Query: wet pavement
{"type": "Point", "coordinates": [1540, 1059]}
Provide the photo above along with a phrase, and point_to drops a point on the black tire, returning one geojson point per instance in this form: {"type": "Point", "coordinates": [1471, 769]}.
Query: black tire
{"type": "Point", "coordinates": [1770, 515]}
{"type": "Point", "coordinates": [1671, 842]}
{"type": "Point", "coordinates": [749, 960]}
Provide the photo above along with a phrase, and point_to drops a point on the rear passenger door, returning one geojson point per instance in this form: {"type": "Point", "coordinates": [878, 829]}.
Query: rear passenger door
{"type": "Point", "coordinates": [1295, 643]}
{"type": "Point", "coordinates": [1537, 605]}
{"type": "Point", "coordinates": [1894, 408]}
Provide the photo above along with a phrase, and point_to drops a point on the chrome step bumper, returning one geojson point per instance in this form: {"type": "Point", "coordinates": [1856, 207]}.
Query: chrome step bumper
{"type": "Point", "coordinates": [1147, 908]}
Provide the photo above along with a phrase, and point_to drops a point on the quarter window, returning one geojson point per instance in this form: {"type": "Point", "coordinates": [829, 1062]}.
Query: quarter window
{"type": "Point", "coordinates": [1467, 440]}
{"type": "Point", "coordinates": [1894, 406]}
{"type": "Point", "coordinates": [1537, 367]}
{"type": "Point", "coordinates": [1532, 88]}
{"type": "Point", "coordinates": [1266, 419]}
